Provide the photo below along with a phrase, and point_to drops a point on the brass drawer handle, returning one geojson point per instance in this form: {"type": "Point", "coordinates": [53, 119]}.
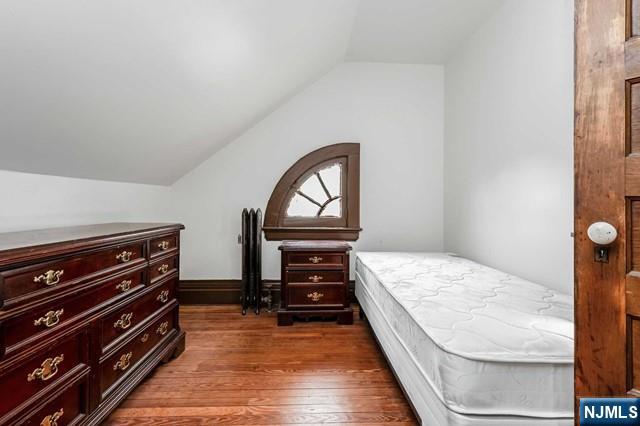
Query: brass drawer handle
{"type": "Point", "coordinates": [50, 319]}
{"type": "Point", "coordinates": [50, 277]}
{"type": "Point", "coordinates": [52, 419]}
{"type": "Point", "coordinates": [163, 328]}
{"type": "Point", "coordinates": [163, 245]}
{"type": "Point", "coordinates": [163, 269]}
{"type": "Point", "coordinates": [124, 286]}
{"type": "Point", "coordinates": [125, 256]}
{"type": "Point", "coordinates": [124, 362]}
{"type": "Point", "coordinates": [315, 296]}
{"type": "Point", "coordinates": [144, 337]}
{"type": "Point", "coordinates": [163, 297]}
{"type": "Point", "coordinates": [124, 322]}
{"type": "Point", "coordinates": [47, 370]}
{"type": "Point", "coordinates": [315, 278]}
{"type": "Point", "coordinates": [315, 259]}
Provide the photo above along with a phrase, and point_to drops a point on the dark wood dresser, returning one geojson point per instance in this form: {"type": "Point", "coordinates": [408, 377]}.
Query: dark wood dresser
{"type": "Point", "coordinates": [85, 314]}
{"type": "Point", "coordinates": [315, 281]}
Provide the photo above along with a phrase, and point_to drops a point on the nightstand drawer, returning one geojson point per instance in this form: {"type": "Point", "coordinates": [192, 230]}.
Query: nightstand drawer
{"type": "Point", "coordinates": [315, 277]}
{"type": "Point", "coordinates": [315, 260]}
{"type": "Point", "coordinates": [312, 296]}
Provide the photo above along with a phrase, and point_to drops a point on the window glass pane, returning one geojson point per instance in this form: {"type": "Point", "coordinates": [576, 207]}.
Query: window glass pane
{"type": "Point", "coordinates": [301, 207]}
{"type": "Point", "coordinates": [312, 188]}
{"type": "Point", "coordinates": [319, 195]}
{"type": "Point", "coordinates": [333, 209]}
{"type": "Point", "coordinates": [332, 176]}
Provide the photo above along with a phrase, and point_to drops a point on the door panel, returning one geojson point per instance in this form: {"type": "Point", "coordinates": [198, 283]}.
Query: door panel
{"type": "Point", "coordinates": [633, 102]}
{"type": "Point", "coordinates": [601, 146]}
{"type": "Point", "coordinates": [634, 18]}
{"type": "Point", "coordinates": [633, 328]}
{"type": "Point", "coordinates": [634, 234]}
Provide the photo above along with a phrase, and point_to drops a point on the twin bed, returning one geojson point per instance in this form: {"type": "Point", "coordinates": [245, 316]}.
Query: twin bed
{"type": "Point", "coordinates": [471, 346]}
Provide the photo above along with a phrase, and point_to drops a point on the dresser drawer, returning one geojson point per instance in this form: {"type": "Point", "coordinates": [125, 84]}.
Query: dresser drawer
{"type": "Point", "coordinates": [118, 324]}
{"type": "Point", "coordinates": [311, 296]}
{"type": "Point", "coordinates": [41, 371]}
{"type": "Point", "coordinates": [315, 260]}
{"type": "Point", "coordinates": [40, 321]}
{"type": "Point", "coordinates": [162, 268]}
{"type": "Point", "coordinates": [124, 360]}
{"type": "Point", "coordinates": [315, 277]}
{"type": "Point", "coordinates": [20, 285]}
{"type": "Point", "coordinates": [67, 409]}
{"type": "Point", "coordinates": [159, 246]}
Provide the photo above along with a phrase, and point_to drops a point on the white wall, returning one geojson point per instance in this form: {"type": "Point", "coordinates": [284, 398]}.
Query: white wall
{"type": "Point", "coordinates": [394, 111]}
{"type": "Point", "coordinates": [31, 201]}
{"type": "Point", "coordinates": [508, 143]}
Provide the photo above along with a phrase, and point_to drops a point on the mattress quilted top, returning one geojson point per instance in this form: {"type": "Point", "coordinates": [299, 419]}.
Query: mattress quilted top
{"type": "Point", "coordinates": [475, 311]}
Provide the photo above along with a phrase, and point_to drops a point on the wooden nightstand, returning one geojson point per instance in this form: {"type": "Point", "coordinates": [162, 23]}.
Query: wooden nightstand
{"type": "Point", "coordinates": [315, 281]}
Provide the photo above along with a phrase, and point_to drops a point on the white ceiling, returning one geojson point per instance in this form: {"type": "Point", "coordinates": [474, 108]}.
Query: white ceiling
{"type": "Point", "coordinates": [414, 31]}
{"type": "Point", "coordinates": [143, 91]}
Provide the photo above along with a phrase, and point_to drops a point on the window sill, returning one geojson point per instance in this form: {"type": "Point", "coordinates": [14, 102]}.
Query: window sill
{"type": "Point", "coordinates": [273, 233]}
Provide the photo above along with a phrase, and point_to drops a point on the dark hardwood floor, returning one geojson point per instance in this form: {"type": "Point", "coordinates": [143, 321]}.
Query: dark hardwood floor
{"type": "Point", "coordinates": [246, 370]}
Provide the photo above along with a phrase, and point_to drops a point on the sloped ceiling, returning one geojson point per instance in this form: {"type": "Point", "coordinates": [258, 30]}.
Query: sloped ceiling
{"type": "Point", "coordinates": [414, 31]}
{"type": "Point", "coordinates": [145, 90]}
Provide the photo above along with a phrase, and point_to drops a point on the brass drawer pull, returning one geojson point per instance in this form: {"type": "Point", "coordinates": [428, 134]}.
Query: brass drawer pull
{"type": "Point", "coordinates": [124, 286]}
{"type": "Point", "coordinates": [163, 245]}
{"type": "Point", "coordinates": [163, 328]}
{"type": "Point", "coordinates": [315, 296]}
{"type": "Point", "coordinates": [315, 278]}
{"type": "Point", "coordinates": [124, 362]}
{"type": "Point", "coordinates": [144, 337]}
{"type": "Point", "coordinates": [47, 370]}
{"type": "Point", "coordinates": [163, 269]}
{"type": "Point", "coordinates": [125, 256]}
{"type": "Point", "coordinates": [163, 297]}
{"type": "Point", "coordinates": [124, 322]}
{"type": "Point", "coordinates": [50, 277]}
{"type": "Point", "coordinates": [52, 419]}
{"type": "Point", "coordinates": [50, 319]}
{"type": "Point", "coordinates": [315, 259]}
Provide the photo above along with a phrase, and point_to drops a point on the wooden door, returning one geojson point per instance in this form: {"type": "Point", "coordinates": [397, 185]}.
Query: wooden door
{"type": "Point", "coordinates": [607, 166]}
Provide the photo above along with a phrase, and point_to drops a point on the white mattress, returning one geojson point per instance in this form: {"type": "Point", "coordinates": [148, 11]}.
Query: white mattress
{"type": "Point", "coordinates": [485, 343]}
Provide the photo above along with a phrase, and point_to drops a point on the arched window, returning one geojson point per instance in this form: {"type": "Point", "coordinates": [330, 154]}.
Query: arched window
{"type": "Point", "coordinates": [318, 197]}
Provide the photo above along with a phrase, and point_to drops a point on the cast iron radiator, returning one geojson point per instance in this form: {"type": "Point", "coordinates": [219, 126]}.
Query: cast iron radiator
{"type": "Point", "coordinates": [251, 260]}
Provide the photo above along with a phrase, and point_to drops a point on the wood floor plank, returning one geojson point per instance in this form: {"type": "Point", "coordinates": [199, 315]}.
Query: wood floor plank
{"type": "Point", "coordinates": [206, 401]}
{"type": "Point", "coordinates": [246, 370]}
{"type": "Point", "coordinates": [250, 410]}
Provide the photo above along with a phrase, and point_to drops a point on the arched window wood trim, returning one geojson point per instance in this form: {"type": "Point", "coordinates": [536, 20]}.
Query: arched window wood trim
{"type": "Point", "coordinates": [278, 226]}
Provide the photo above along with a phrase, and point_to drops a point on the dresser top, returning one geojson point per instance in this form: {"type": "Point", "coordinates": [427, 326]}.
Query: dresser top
{"type": "Point", "coordinates": [23, 245]}
{"type": "Point", "coordinates": [314, 245]}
